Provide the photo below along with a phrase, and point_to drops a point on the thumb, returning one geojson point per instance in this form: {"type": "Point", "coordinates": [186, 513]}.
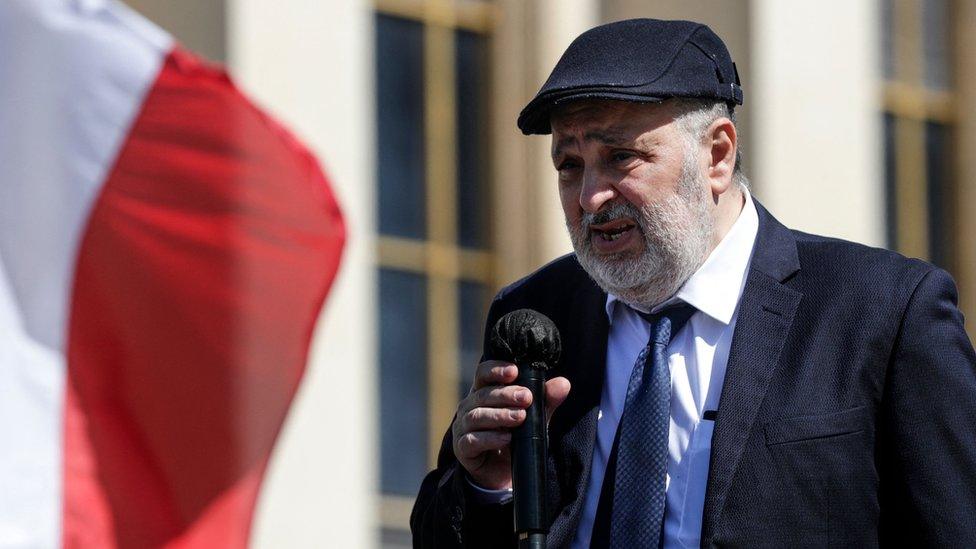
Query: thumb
{"type": "Point", "coordinates": [557, 389]}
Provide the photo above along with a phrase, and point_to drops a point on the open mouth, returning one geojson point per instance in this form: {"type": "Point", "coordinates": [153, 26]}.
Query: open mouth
{"type": "Point", "coordinates": [613, 230]}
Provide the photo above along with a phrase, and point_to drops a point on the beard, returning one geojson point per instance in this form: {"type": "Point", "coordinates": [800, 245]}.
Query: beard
{"type": "Point", "coordinates": [676, 234]}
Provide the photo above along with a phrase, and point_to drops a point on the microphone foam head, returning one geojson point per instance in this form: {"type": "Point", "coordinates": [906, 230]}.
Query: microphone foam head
{"type": "Point", "coordinates": [525, 337]}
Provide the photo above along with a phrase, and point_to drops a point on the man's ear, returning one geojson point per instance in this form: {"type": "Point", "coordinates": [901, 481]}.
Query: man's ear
{"type": "Point", "coordinates": [721, 143]}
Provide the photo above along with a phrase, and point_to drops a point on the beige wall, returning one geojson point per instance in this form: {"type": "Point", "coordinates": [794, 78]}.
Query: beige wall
{"type": "Point", "coordinates": [310, 63]}
{"type": "Point", "coordinates": [817, 116]}
{"type": "Point", "coordinates": [197, 24]}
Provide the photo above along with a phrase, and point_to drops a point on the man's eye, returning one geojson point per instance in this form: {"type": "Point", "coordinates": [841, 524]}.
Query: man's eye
{"type": "Point", "coordinates": [621, 156]}
{"type": "Point", "coordinates": [567, 165]}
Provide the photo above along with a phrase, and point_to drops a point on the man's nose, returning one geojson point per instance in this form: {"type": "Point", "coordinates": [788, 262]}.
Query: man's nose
{"type": "Point", "coordinates": [596, 191]}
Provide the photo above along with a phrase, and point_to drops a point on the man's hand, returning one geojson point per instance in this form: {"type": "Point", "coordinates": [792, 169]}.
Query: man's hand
{"type": "Point", "coordinates": [485, 418]}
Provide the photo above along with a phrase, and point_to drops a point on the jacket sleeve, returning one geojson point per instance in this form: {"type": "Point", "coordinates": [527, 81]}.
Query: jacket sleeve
{"type": "Point", "coordinates": [927, 438]}
{"type": "Point", "coordinates": [444, 515]}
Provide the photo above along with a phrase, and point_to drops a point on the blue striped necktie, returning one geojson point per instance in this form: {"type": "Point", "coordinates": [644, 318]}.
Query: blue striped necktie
{"type": "Point", "coordinates": [631, 508]}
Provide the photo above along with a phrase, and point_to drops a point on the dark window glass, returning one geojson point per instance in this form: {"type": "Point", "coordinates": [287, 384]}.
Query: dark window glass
{"type": "Point", "coordinates": [890, 182]}
{"type": "Point", "coordinates": [471, 66]}
{"type": "Point", "coordinates": [938, 173]}
{"type": "Point", "coordinates": [936, 37]}
{"type": "Point", "coordinates": [888, 38]}
{"type": "Point", "coordinates": [473, 299]}
{"type": "Point", "coordinates": [403, 381]}
{"type": "Point", "coordinates": [400, 126]}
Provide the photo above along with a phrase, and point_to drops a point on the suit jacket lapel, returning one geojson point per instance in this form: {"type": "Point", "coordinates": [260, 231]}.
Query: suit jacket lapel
{"type": "Point", "coordinates": [573, 426]}
{"type": "Point", "coordinates": [765, 315]}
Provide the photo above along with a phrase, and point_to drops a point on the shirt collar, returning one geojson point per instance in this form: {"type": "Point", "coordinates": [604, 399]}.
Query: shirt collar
{"type": "Point", "coordinates": [716, 286]}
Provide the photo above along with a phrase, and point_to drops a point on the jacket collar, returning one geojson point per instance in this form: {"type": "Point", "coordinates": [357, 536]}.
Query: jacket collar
{"type": "Point", "coordinates": [775, 252]}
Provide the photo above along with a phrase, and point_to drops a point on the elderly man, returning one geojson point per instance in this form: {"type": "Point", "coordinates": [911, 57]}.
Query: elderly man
{"type": "Point", "coordinates": [725, 381]}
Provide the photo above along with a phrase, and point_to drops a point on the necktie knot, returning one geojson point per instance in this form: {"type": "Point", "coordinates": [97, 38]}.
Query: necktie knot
{"type": "Point", "coordinates": [666, 323]}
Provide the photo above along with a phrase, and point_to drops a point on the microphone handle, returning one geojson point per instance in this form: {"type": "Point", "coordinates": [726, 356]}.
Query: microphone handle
{"type": "Point", "coordinates": [529, 456]}
{"type": "Point", "coordinates": [536, 540]}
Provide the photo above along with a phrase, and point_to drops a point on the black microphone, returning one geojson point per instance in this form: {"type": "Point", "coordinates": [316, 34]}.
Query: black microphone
{"type": "Point", "coordinates": [529, 340]}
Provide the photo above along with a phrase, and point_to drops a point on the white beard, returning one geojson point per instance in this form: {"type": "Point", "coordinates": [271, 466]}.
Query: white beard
{"type": "Point", "coordinates": [676, 235]}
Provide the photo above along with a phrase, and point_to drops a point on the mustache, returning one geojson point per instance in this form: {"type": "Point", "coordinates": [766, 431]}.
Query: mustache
{"type": "Point", "coordinates": [615, 211]}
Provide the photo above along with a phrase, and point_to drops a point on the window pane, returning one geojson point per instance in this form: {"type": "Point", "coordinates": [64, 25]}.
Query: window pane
{"type": "Point", "coordinates": [938, 173]}
{"type": "Point", "coordinates": [471, 66]}
{"type": "Point", "coordinates": [473, 299]}
{"type": "Point", "coordinates": [403, 381]}
{"type": "Point", "coordinates": [400, 126]}
{"type": "Point", "coordinates": [935, 21]}
{"type": "Point", "coordinates": [890, 182]}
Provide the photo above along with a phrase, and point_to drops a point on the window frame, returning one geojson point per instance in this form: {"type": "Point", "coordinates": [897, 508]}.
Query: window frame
{"type": "Point", "coordinates": [439, 257]}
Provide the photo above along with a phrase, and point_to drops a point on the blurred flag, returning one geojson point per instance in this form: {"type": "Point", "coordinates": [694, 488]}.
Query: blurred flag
{"type": "Point", "coordinates": [165, 249]}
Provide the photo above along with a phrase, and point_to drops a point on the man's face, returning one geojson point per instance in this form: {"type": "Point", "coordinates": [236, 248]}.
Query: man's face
{"type": "Point", "coordinates": [637, 208]}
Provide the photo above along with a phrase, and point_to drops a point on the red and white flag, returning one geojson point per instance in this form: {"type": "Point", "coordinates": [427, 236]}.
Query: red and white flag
{"type": "Point", "coordinates": [165, 250]}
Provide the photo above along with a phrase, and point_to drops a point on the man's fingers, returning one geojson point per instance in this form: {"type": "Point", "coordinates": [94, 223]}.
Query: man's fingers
{"type": "Point", "coordinates": [494, 372]}
{"type": "Point", "coordinates": [482, 419]}
{"type": "Point", "coordinates": [557, 389]}
{"type": "Point", "coordinates": [507, 396]}
{"type": "Point", "coordinates": [473, 444]}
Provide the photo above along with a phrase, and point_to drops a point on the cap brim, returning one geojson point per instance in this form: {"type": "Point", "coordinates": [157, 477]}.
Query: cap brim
{"type": "Point", "coordinates": [534, 118]}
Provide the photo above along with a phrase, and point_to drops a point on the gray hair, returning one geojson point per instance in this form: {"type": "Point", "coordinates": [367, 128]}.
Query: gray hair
{"type": "Point", "coordinates": [694, 116]}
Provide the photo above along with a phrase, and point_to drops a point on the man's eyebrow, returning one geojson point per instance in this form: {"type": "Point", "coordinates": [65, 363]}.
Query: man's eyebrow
{"type": "Point", "coordinates": [606, 137]}
{"type": "Point", "coordinates": [603, 137]}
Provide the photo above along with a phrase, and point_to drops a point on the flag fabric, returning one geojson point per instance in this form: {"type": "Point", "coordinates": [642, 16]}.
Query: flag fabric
{"type": "Point", "coordinates": [165, 250]}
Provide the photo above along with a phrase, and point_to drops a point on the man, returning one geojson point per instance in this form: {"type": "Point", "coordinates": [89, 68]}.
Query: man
{"type": "Point", "coordinates": [725, 381]}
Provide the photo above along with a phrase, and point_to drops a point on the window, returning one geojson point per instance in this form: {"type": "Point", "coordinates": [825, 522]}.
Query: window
{"type": "Point", "coordinates": [919, 118]}
{"type": "Point", "coordinates": [435, 276]}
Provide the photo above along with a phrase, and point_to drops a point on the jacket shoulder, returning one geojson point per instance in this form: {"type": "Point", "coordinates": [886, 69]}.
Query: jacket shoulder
{"type": "Point", "coordinates": [859, 272]}
{"type": "Point", "coordinates": [560, 290]}
{"type": "Point", "coordinates": [559, 276]}
{"type": "Point", "coordinates": [853, 257]}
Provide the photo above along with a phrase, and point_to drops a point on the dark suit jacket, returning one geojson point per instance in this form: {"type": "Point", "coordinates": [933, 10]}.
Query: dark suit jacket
{"type": "Point", "coordinates": [847, 416]}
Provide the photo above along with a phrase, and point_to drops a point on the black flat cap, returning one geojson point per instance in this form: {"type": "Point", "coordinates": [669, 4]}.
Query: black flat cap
{"type": "Point", "coordinates": [641, 60]}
